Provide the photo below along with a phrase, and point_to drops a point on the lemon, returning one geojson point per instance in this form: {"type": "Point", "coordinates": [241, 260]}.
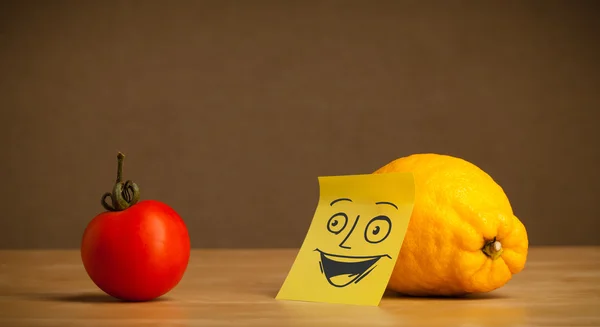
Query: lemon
{"type": "Point", "coordinates": [463, 236]}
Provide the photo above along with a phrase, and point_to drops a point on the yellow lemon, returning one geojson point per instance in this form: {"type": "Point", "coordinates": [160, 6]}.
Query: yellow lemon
{"type": "Point", "coordinates": [463, 236]}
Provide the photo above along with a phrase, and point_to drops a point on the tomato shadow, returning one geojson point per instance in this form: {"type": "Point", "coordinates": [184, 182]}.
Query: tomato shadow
{"type": "Point", "coordinates": [91, 297]}
{"type": "Point", "coordinates": [468, 297]}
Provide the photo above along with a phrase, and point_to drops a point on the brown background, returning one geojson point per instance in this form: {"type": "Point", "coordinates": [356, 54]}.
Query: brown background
{"type": "Point", "coordinates": [229, 110]}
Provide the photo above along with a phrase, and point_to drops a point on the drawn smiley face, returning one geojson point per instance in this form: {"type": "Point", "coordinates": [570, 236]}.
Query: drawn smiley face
{"type": "Point", "coordinates": [351, 230]}
{"type": "Point", "coordinates": [353, 240]}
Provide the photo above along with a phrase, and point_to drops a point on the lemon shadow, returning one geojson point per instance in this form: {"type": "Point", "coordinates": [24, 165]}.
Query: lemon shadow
{"type": "Point", "coordinates": [388, 294]}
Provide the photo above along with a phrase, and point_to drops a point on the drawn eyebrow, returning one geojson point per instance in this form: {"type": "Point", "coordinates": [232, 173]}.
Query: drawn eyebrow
{"type": "Point", "coordinates": [337, 200]}
{"type": "Point", "coordinates": [388, 203]}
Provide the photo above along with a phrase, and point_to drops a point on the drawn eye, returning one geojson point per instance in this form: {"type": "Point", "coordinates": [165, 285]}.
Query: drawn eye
{"type": "Point", "coordinates": [378, 229]}
{"type": "Point", "coordinates": [337, 222]}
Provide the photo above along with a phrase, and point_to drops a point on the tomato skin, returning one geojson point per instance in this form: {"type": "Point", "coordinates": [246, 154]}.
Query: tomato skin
{"type": "Point", "coordinates": [137, 254]}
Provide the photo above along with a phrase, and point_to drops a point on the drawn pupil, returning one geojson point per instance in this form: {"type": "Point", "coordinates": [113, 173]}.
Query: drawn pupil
{"type": "Point", "coordinates": [334, 223]}
{"type": "Point", "coordinates": [376, 230]}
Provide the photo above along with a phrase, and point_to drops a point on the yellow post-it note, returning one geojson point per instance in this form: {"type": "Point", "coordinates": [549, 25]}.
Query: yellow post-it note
{"type": "Point", "coordinates": [353, 240]}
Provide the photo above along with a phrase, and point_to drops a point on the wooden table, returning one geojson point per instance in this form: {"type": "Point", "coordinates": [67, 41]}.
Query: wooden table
{"type": "Point", "coordinates": [559, 287]}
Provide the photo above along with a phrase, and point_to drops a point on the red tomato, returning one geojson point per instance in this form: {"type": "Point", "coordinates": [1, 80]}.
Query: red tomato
{"type": "Point", "coordinates": [138, 253]}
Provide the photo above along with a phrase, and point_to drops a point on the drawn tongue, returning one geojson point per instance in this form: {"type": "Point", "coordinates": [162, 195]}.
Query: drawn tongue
{"type": "Point", "coordinates": [342, 279]}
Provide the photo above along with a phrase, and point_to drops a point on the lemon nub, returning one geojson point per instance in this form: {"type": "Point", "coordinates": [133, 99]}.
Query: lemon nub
{"type": "Point", "coordinates": [497, 246]}
{"type": "Point", "coordinates": [493, 249]}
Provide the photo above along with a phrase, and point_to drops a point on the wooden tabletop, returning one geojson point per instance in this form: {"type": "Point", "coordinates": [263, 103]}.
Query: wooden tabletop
{"type": "Point", "coordinates": [559, 287]}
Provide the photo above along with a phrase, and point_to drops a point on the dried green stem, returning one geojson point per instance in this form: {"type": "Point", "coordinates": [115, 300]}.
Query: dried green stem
{"type": "Point", "coordinates": [124, 194]}
{"type": "Point", "coordinates": [120, 158]}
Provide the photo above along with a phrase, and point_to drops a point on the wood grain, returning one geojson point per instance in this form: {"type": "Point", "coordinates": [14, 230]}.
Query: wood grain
{"type": "Point", "coordinates": [559, 287]}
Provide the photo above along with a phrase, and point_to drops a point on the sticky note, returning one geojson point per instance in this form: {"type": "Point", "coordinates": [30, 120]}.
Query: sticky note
{"type": "Point", "coordinates": [353, 241]}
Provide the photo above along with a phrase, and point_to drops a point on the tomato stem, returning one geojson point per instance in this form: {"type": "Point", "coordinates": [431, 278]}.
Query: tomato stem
{"type": "Point", "coordinates": [493, 249]}
{"type": "Point", "coordinates": [120, 158]}
{"type": "Point", "coordinates": [124, 194]}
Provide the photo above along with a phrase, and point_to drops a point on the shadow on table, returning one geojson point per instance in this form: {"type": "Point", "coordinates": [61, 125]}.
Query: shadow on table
{"type": "Point", "coordinates": [90, 297]}
{"type": "Point", "coordinates": [393, 295]}
{"type": "Point", "coordinates": [473, 297]}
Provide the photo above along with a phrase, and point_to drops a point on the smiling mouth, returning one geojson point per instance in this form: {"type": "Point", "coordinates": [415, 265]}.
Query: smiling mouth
{"type": "Point", "coordinates": [342, 270]}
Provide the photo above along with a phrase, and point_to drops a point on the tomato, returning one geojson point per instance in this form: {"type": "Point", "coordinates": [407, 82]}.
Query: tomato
{"type": "Point", "coordinates": [135, 251]}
